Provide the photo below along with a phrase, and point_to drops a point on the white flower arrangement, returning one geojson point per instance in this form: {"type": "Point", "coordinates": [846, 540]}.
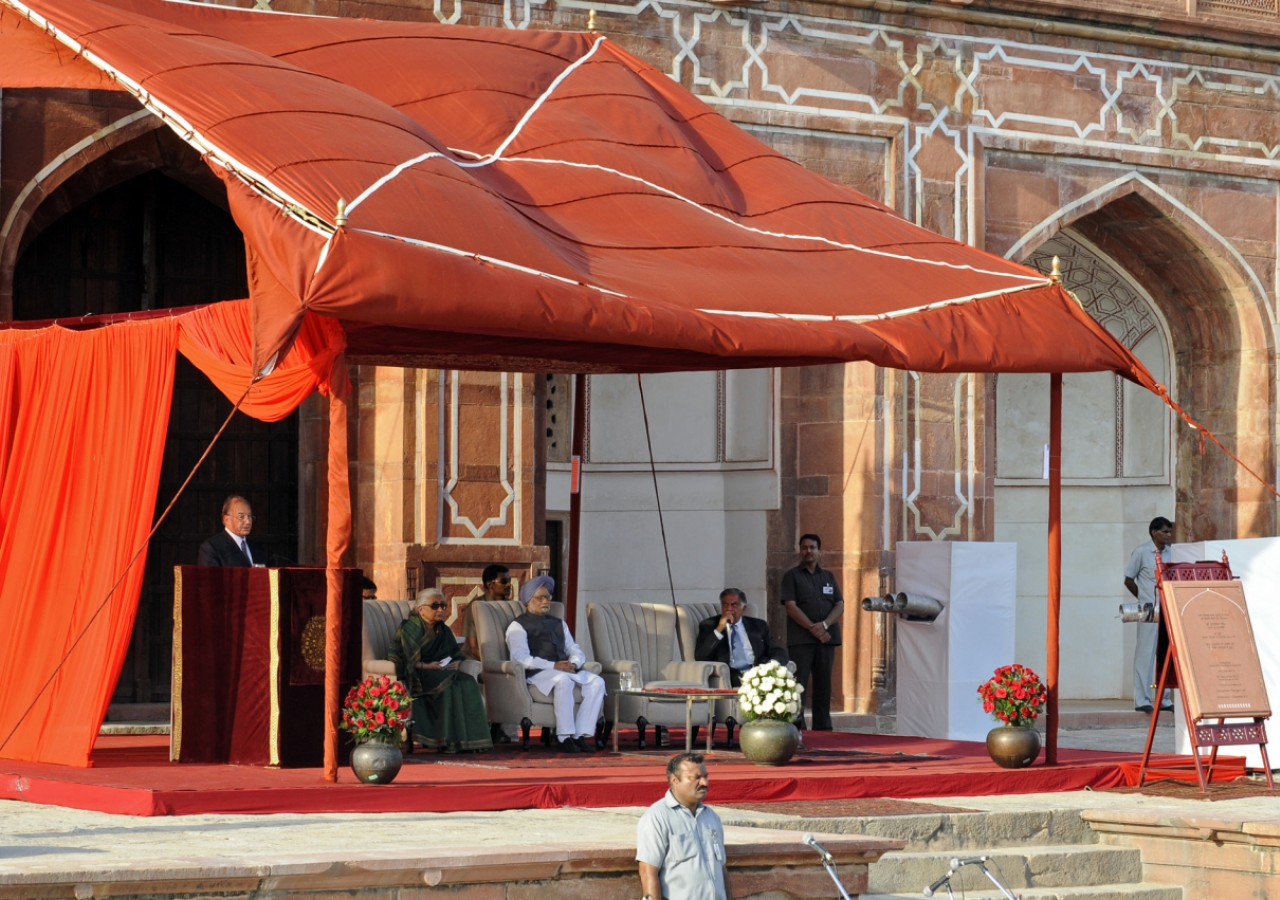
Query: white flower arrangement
{"type": "Point", "coordinates": [769, 691]}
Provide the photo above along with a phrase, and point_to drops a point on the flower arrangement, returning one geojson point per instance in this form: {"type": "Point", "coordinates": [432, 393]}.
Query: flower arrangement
{"type": "Point", "coordinates": [1014, 695]}
{"type": "Point", "coordinates": [377, 709]}
{"type": "Point", "coordinates": [769, 691]}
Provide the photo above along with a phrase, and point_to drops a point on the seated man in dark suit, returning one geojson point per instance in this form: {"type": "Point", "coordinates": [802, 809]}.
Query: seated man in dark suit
{"type": "Point", "coordinates": [231, 547]}
{"type": "Point", "coordinates": [734, 639]}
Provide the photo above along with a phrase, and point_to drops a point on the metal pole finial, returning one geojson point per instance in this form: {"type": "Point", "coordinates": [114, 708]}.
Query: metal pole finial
{"type": "Point", "coordinates": [341, 218]}
{"type": "Point", "coordinates": [1055, 274]}
{"type": "Point", "coordinates": [591, 20]}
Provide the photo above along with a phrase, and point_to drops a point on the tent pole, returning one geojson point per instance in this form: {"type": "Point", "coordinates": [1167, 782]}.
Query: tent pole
{"type": "Point", "coordinates": [337, 539]}
{"type": "Point", "coordinates": [1055, 568]}
{"type": "Point", "coordinates": [575, 501]}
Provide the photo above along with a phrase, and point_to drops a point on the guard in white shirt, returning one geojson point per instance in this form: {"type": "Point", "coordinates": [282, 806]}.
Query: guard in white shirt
{"type": "Point", "coordinates": [544, 646]}
{"type": "Point", "coordinates": [1140, 580]}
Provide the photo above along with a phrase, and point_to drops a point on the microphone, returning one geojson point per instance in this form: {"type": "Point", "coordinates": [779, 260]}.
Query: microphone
{"type": "Point", "coordinates": [928, 892]}
{"type": "Point", "coordinates": [968, 861]}
{"type": "Point", "coordinates": [818, 848]}
{"type": "Point", "coordinates": [277, 560]}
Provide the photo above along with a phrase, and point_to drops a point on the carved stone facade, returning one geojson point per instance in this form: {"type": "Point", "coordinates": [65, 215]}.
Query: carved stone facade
{"type": "Point", "coordinates": [1105, 135]}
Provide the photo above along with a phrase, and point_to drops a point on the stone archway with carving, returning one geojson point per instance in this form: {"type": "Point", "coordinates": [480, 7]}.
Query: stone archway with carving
{"type": "Point", "coordinates": [1223, 347]}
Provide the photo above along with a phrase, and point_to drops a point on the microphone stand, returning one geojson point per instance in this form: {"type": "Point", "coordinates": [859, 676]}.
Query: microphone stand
{"type": "Point", "coordinates": [828, 863]}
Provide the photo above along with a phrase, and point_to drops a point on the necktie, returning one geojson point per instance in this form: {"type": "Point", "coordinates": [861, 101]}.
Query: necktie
{"type": "Point", "coordinates": [244, 548]}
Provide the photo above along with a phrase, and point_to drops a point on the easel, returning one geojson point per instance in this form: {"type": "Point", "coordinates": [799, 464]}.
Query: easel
{"type": "Point", "coordinates": [1202, 733]}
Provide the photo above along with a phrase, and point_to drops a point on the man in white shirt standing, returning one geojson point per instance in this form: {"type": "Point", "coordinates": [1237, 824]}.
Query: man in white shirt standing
{"type": "Point", "coordinates": [553, 662]}
{"type": "Point", "coordinates": [1140, 580]}
{"type": "Point", "coordinates": [231, 547]}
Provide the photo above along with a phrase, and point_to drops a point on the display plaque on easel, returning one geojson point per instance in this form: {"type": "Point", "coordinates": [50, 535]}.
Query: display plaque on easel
{"type": "Point", "coordinates": [1212, 657]}
{"type": "Point", "coordinates": [1220, 672]}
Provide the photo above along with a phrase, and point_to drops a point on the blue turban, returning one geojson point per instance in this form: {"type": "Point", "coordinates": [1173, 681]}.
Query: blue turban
{"type": "Point", "coordinates": [530, 587]}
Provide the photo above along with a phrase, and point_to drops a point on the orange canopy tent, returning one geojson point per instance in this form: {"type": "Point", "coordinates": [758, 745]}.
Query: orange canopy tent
{"type": "Point", "coordinates": [517, 200]}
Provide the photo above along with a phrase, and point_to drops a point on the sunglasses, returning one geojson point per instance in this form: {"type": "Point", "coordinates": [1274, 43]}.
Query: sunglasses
{"type": "Point", "coordinates": [437, 605]}
{"type": "Point", "coordinates": [504, 581]}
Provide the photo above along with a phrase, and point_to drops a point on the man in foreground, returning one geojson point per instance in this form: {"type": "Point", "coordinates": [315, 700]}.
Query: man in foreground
{"type": "Point", "coordinates": [814, 605]}
{"type": "Point", "coordinates": [553, 662]}
{"type": "Point", "coordinates": [1140, 580]}
{"type": "Point", "coordinates": [680, 841]}
{"type": "Point", "coordinates": [231, 547]}
{"type": "Point", "coordinates": [735, 639]}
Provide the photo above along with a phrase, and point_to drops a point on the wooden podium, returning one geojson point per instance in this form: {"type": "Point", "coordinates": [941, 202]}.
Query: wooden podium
{"type": "Point", "coordinates": [248, 664]}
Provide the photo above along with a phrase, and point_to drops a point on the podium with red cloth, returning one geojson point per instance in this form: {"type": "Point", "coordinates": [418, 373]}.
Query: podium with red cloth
{"type": "Point", "coordinates": [248, 664]}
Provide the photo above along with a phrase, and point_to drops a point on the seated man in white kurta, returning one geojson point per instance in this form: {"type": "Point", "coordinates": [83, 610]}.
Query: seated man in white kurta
{"type": "Point", "coordinates": [543, 645]}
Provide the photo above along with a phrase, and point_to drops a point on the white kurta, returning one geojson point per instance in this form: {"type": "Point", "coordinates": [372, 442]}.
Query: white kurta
{"type": "Point", "coordinates": [559, 685]}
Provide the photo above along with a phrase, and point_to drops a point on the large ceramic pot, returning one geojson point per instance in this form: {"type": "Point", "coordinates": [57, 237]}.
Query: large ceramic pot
{"type": "Point", "coordinates": [1012, 746]}
{"type": "Point", "coordinates": [376, 762]}
{"type": "Point", "coordinates": [768, 742]}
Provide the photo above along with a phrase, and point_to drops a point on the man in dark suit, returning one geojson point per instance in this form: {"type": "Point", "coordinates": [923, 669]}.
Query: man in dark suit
{"type": "Point", "coordinates": [738, 641]}
{"type": "Point", "coordinates": [231, 547]}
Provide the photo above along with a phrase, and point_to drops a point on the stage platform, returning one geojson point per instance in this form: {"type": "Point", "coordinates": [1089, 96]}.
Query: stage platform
{"type": "Point", "coordinates": [132, 775]}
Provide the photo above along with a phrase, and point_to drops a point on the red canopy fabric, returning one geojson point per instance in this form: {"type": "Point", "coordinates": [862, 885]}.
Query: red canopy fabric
{"type": "Point", "coordinates": [83, 417]}
{"type": "Point", "coordinates": [540, 200]}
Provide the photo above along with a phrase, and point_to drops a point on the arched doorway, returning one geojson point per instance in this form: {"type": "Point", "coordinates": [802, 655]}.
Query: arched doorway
{"type": "Point", "coordinates": [1117, 474]}
{"type": "Point", "coordinates": [143, 228]}
{"type": "Point", "coordinates": [1179, 297]}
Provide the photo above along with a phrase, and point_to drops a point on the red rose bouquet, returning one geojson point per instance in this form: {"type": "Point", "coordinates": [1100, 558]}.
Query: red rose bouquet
{"type": "Point", "coordinates": [377, 709]}
{"type": "Point", "coordinates": [1014, 695]}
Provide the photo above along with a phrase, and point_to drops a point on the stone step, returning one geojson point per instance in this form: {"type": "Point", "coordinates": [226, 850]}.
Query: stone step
{"type": "Point", "coordinates": [134, 728]}
{"type": "Point", "coordinates": [1037, 867]}
{"type": "Point", "coordinates": [967, 833]}
{"type": "Point", "coordinates": [1101, 892]}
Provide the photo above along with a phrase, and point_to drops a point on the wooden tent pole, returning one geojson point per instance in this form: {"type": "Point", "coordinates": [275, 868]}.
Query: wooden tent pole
{"type": "Point", "coordinates": [1055, 568]}
{"type": "Point", "coordinates": [337, 539]}
{"type": "Point", "coordinates": [575, 501]}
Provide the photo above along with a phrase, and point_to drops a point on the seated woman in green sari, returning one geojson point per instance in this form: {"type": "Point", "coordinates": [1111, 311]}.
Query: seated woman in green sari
{"type": "Point", "coordinates": [448, 713]}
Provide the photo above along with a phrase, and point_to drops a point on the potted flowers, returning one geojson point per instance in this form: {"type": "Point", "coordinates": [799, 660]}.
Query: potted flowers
{"type": "Point", "coordinates": [768, 700]}
{"type": "Point", "coordinates": [376, 712]}
{"type": "Point", "coordinates": [1015, 696]}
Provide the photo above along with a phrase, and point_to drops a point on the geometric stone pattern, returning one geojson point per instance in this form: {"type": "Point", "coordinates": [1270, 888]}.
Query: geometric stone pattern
{"type": "Point", "coordinates": [1102, 290]}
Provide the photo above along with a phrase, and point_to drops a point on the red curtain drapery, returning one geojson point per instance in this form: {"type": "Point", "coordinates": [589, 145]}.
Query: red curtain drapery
{"type": "Point", "coordinates": [83, 417]}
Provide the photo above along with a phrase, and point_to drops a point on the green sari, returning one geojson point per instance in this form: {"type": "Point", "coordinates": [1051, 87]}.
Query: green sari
{"type": "Point", "coordinates": [448, 713]}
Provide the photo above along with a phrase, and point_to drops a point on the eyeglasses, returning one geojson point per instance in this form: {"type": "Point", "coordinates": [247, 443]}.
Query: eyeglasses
{"type": "Point", "coordinates": [437, 605]}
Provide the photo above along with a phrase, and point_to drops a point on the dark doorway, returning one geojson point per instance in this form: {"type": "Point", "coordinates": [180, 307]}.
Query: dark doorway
{"type": "Point", "coordinates": [152, 243]}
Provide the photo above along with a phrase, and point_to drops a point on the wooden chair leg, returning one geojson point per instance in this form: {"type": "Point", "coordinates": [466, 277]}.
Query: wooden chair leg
{"type": "Point", "coordinates": [696, 729]}
{"type": "Point", "coordinates": [729, 724]}
{"type": "Point", "coordinates": [640, 726]}
{"type": "Point", "coordinates": [526, 724]}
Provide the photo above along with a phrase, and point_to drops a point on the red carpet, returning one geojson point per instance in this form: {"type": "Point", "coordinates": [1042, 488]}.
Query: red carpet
{"type": "Point", "coordinates": [132, 775]}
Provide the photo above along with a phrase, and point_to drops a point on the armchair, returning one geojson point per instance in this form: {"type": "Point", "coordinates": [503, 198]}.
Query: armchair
{"type": "Point", "coordinates": [688, 617]}
{"type": "Point", "coordinates": [640, 638]}
{"type": "Point", "coordinates": [508, 695]}
{"type": "Point", "coordinates": [381, 620]}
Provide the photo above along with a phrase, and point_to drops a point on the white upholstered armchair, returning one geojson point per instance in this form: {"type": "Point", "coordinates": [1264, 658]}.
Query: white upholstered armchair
{"type": "Point", "coordinates": [381, 620]}
{"type": "Point", "coordinates": [641, 638]}
{"type": "Point", "coordinates": [509, 697]}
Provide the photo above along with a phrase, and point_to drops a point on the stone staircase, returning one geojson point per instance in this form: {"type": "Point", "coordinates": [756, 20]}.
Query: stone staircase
{"type": "Point", "coordinates": [1041, 855]}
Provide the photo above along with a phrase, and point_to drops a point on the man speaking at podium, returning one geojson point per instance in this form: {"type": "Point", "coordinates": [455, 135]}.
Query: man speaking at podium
{"type": "Point", "coordinates": [231, 547]}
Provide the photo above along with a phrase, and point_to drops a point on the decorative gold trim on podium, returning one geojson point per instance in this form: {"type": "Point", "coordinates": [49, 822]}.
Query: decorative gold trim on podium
{"type": "Point", "coordinates": [175, 703]}
{"type": "Point", "coordinates": [273, 737]}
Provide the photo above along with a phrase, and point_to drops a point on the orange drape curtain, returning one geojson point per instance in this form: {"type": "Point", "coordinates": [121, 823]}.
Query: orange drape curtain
{"type": "Point", "coordinates": [87, 418]}
{"type": "Point", "coordinates": [83, 416]}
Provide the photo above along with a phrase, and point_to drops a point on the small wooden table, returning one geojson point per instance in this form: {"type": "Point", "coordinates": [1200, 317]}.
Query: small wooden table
{"type": "Point", "coordinates": [710, 695]}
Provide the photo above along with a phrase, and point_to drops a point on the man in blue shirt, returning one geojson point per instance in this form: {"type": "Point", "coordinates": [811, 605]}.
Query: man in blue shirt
{"type": "Point", "coordinates": [680, 841]}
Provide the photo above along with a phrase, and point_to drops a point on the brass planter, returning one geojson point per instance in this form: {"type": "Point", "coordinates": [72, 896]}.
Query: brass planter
{"type": "Point", "coordinates": [1012, 746]}
{"type": "Point", "coordinates": [768, 742]}
{"type": "Point", "coordinates": [376, 762]}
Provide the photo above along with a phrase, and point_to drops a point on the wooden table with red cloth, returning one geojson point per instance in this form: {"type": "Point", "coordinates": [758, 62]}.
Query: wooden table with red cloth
{"type": "Point", "coordinates": [248, 663]}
